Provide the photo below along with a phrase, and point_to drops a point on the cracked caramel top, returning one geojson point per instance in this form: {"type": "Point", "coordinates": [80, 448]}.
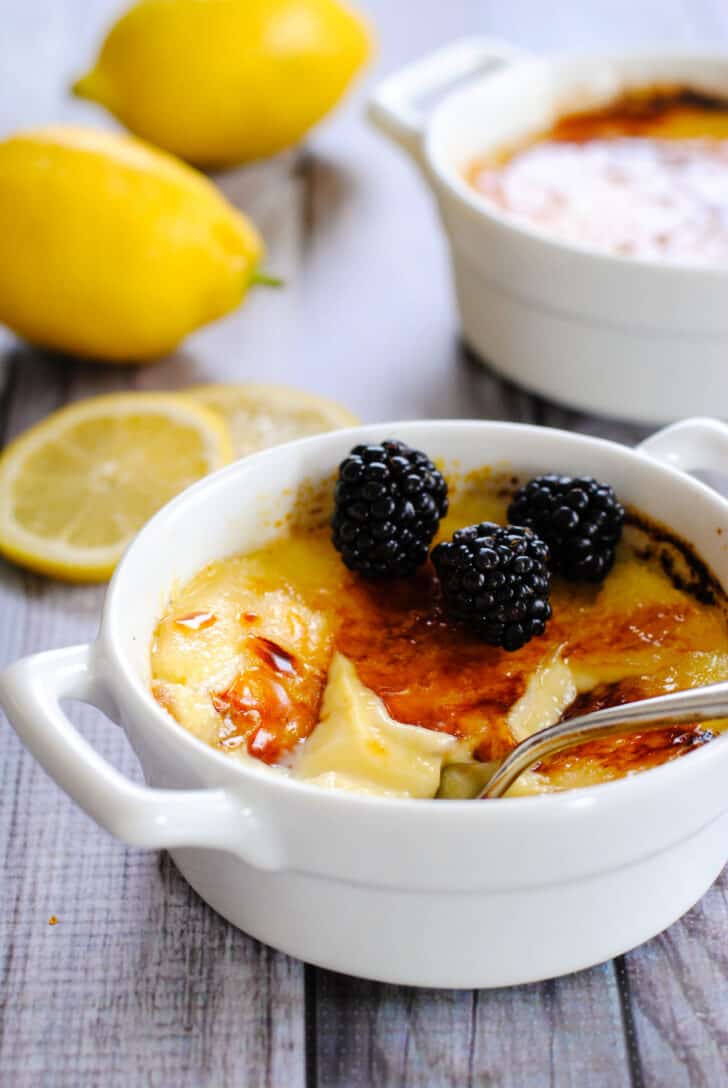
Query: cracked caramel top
{"type": "Point", "coordinates": [242, 657]}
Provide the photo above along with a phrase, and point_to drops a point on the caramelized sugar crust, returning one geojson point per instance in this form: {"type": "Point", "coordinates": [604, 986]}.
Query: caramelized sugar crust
{"type": "Point", "coordinates": [638, 635]}
{"type": "Point", "coordinates": [427, 670]}
{"type": "Point", "coordinates": [615, 757]}
{"type": "Point", "coordinates": [432, 673]}
{"type": "Point", "coordinates": [272, 703]}
{"type": "Point", "coordinates": [653, 111]}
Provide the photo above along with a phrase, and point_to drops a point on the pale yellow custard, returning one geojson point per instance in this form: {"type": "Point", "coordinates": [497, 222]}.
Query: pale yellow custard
{"type": "Point", "coordinates": [259, 652]}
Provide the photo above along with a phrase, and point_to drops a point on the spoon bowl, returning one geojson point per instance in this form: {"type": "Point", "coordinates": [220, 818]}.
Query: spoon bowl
{"type": "Point", "coordinates": [400, 890]}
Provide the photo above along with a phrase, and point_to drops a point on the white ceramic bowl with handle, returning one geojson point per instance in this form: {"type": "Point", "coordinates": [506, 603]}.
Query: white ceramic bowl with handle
{"type": "Point", "coordinates": [621, 336]}
{"type": "Point", "coordinates": [431, 893]}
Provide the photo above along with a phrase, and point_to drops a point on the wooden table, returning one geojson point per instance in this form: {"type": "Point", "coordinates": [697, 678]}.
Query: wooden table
{"type": "Point", "coordinates": [140, 983]}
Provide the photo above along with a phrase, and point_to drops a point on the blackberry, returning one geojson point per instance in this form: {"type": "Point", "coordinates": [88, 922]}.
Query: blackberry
{"type": "Point", "coordinates": [495, 579]}
{"type": "Point", "coordinates": [579, 518]}
{"type": "Point", "coordinates": [388, 503]}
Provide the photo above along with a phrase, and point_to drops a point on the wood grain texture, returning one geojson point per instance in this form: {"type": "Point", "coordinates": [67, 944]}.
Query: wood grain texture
{"type": "Point", "coordinates": [566, 1032]}
{"type": "Point", "coordinates": [677, 985]}
{"type": "Point", "coordinates": [140, 983]}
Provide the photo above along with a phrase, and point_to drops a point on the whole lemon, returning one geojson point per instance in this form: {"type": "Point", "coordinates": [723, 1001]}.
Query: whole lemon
{"type": "Point", "coordinates": [118, 250]}
{"type": "Point", "coordinates": [220, 82]}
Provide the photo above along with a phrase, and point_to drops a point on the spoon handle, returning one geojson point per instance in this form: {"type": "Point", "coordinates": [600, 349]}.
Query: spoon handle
{"type": "Point", "coordinates": [696, 705]}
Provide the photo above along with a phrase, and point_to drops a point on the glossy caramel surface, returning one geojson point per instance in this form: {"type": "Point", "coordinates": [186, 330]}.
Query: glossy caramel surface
{"type": "Point", "coordinates": [646, 176]}
{"type": "Point", "coordinates": [249, 675]}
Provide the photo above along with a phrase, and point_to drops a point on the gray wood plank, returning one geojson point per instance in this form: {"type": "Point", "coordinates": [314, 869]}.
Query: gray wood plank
{"type": "Point", "coordinates": [677, 986]}
{"type": "Point", "coordinates": [564, 1033]}
{"type": "Point", "coordinates": [139, 982]}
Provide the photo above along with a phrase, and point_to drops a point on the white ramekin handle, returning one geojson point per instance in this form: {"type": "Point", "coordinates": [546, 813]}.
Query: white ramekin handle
{"type": "Point", "coordinates": [31, 691]}
{"type": "Point", "coordinates": [393, 106]}
{"type": "Point", "coordinates": [691, 444]}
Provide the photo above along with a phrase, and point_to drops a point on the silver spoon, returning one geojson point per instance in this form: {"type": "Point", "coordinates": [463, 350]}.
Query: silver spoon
{"type": "Point", "coordinates": [696, 705]}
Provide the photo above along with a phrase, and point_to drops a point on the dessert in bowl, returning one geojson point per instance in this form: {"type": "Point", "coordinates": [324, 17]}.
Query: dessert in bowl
{"type": "Point", "coordinates": [588, 244]}
{"type": "Point", "coordinates": [363, 680]}
{"type": "Point", "coordinates": [643, 176]}
{"type": "Point", "coordinates": [406, 889]}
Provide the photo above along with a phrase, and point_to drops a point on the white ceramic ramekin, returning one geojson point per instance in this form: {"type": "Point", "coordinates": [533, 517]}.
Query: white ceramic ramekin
{"type": "Point", "coordinates": [430, 893]}
{"type": "Point", "coordinates": [614, 335]}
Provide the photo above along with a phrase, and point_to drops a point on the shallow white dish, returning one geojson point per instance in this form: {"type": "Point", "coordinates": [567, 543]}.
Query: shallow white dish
{"type": "Point", "coordinates": [621, 336]}
{"type": "Point", "coordinates": [429, 893]}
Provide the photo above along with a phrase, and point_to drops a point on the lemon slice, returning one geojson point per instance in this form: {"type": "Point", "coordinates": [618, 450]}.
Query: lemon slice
{"type": "Point", "coordinates": [261, 415]}
{"type": "Point", "coordinates": [76, 487]}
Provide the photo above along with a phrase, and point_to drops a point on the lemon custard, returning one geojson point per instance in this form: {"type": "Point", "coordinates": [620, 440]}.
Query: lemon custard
{"type": "Point", "coordinates": [645, 176]}
{"type": "Point", "coordinates": [284, 655]}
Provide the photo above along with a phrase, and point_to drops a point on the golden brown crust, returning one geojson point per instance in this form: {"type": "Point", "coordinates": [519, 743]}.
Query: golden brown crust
{"type": "Point", "coordinates": [271, 705]}
{"type": "Point", "coordinates": [635, 114]}
{"type": "Point", "coordinates": [427, 670]}
{"type": "Point", "coordinates": [642, 633]}
{"type": "Point", "coordinates": [616, 757]}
